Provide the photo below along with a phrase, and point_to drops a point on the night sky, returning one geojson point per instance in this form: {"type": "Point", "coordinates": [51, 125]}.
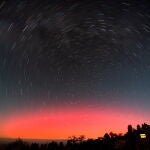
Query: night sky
{"type": "Point", "coordinates": [72, 67]}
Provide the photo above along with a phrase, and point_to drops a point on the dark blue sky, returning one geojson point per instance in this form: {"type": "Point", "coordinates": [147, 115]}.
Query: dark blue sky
{"type": "Point", "coordinates": [74, 52]}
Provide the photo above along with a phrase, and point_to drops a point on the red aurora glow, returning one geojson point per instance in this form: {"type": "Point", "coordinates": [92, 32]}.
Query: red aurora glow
{"type": "Point", "coordinates": [61, 124]}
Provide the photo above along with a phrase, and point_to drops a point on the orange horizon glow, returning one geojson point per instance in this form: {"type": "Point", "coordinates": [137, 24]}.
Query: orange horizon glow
{"type": "Point", "coordinates": [61, 124]}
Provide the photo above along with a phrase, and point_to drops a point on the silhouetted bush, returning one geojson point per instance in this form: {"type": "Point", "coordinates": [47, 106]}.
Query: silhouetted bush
{"type": "Point", "coordinates": [131, 140]}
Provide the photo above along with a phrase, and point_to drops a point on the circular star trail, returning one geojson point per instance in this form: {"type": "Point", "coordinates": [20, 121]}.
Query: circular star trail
{"type": "Point", "coordinates": [76, 60]}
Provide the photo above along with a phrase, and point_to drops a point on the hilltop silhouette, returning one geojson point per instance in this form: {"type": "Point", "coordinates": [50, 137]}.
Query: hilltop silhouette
{"type": "Point", "coordinates": [133, 139]}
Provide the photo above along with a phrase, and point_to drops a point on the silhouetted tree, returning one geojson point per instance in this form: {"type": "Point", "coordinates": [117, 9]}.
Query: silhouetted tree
{"type": "Point", "coordinates": [130, 141]}
{"type": "Point", "coordinates": [34, 146]}
{"type": "Point", "coordinates": [17, 145]}
{"type": "Point", "coordinates": [52, 146]}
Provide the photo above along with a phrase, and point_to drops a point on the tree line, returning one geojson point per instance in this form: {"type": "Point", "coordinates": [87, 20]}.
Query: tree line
{"type": "Point", "coordinates": [133, 139]}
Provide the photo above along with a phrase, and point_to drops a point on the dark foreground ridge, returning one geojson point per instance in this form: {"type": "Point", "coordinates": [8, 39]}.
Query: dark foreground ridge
{"type": "Point", "coordinates": [134, 139]}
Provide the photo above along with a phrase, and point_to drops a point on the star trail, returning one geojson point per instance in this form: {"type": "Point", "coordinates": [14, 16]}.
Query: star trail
{"type": "Point", "coordinates": [72, 67]}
